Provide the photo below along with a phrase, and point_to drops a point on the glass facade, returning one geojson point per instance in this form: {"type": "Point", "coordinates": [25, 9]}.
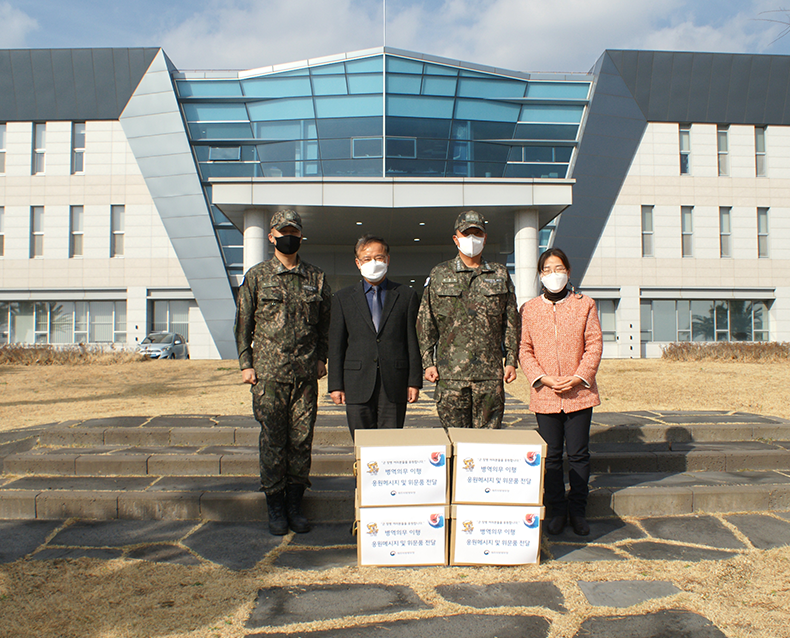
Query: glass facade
{"type": "Point", "coordinates": [376, 116]}
{"type": "Point", "coordinates": [63, 322]}
{"type": "Point", "coordinates": [704, 320]}
{"type": "Point", "coordinates": [380, 115]}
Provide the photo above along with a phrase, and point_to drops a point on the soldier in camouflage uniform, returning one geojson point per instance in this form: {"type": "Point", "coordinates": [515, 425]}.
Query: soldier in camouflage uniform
{"type": "Point", "coordinates": [282, 332]}
{"type": "Point", "coordinates": [468, 319]}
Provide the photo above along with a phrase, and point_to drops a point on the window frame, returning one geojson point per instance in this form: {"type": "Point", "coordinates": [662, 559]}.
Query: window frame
{"type": "Point", "coordinates": [3, 142]}
{"type": "Point", "coordinates": [760, 156]}
{"type": "Point", "coordinates": [77, 152]}
{"type": "Point", "coordinates": [684, 134]}
{"type": "Point", "coordinates": [117, 230]}
{"type": "Point", "coordinates": [723, 149]}
{"type": "Point", "coordinates": [648, 234]}
{"type": "Point", "coordinates": [725, 232]}
{"type": "Point", "coordinates": [763, 247]}
{"type": "Point", "coordinates": [37, 236]}
{"type": "Point", "coordinates": [687, 233]}
{"type": "Point", "coordinates": [76, 235]}
{"type": "Point", "coordinates": [39, 159]}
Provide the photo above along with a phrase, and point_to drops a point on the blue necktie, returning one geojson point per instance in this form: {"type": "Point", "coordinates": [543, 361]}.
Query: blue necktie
{"type": "Point", "coordinates": [375, 309]}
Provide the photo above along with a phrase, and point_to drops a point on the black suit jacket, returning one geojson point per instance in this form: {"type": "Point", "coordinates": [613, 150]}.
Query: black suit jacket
{"type": "Point", "coordinates": [356, 350]}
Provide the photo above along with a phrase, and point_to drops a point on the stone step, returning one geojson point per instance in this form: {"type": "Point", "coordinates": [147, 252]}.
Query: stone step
{"type": "Point", "coordinates": [332, 499]}
{"type": "Point", "coordinates": [108, 460]}
{"type": "Point", "coordinates": [331, 429]}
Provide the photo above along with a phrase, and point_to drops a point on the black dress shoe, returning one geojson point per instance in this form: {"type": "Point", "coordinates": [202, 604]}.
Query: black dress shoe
{"type": "Point", "coordinates": [556, 525]}
{"type": "Point", "coordinates": [580, 526]}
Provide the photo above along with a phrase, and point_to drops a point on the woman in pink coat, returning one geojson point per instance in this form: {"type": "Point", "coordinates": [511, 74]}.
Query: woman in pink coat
{"type": "Point", "coordinates": [560, 351]}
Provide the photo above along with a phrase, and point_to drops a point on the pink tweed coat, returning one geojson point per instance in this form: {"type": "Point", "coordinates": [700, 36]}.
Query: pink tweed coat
{"type": "Point", "coordinates": [559, 340]}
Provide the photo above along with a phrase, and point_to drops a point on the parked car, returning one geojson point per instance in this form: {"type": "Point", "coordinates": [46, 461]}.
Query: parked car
{"type": "Point", "coordinates": [164, 345]}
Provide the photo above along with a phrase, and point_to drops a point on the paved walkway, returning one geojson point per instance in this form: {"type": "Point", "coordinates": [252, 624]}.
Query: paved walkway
{"type": "Point", "coordinates": [508, 608]}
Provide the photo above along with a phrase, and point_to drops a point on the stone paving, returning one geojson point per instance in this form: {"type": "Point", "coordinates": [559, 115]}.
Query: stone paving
{"type": "Point", "coordinates": [503, 609]}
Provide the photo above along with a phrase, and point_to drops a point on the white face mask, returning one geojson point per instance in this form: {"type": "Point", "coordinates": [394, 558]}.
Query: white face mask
{"type": "Point", "coordinates": [374, 270]}
{"type": "Point", "coordinates": [554, 282]}
{"type": "Point", "coordinates": [471, 245]}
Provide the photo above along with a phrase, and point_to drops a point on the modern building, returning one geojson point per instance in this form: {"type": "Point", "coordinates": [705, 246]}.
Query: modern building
{"type": "Point", "coordinates": [133, 195]}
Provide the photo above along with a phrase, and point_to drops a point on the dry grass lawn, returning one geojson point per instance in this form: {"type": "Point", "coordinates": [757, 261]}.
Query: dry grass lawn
{"type": "Point", "coordinates": [34, 395]}
{"type": "Point", "coordinates": [745, 596]}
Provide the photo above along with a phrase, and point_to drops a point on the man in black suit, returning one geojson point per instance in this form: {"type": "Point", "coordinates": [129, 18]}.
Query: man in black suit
{"type": "Point", "coordinates": [374, 357]}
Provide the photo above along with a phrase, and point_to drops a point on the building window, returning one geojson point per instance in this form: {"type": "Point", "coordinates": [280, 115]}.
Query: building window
{"type": "Point", "coordinates": [75, 231]}
{"type": "Point", "coordinates": [762, 232]}
{"type": "Point", "coordinates": [170, 316]}
{"type": "Point", "coordinates": [2, 231]}
{"type": "Point", "coordinates": [722, 144]}
{"type": "Point", "coordinates": [36, 231]}
{"type": "Point", "coordinates": [647, 231]}
{"type": "Point", "coordinates": [39, 147]}
{"type": "Point", "coordinates": [725, 231]}
{"type": "Point", "coordinates": [78, 147]}
{"type": "Point", "coordinates": [2, 148]}
{"type": "Point", "coordinates": [547, 233]}
{"type": "Point", "coordinates": [685, 149]}
{"type": "Point", "coordinates": [686, 230]}
{"type": "Point", "coordinates": [63, 322]}
{"type": "Point", "coordinates": [704, 320]}
{"type": "Point", "coordinates": [606, 316]}
{"type": "Point", "coordinates": [117, 214]}
{"type": "Point", "coordinates": [759, 150]}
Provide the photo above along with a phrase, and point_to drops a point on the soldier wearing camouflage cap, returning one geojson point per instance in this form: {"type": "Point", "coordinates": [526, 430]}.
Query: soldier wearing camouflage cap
{"type": "Point", "coordinates": [282, 333]}
{"type": "Point", "coordinates": [467, 321]}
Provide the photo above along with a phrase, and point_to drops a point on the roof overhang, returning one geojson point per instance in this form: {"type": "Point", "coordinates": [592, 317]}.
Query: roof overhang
{"type": "Point", "coordinates": [402, 209]}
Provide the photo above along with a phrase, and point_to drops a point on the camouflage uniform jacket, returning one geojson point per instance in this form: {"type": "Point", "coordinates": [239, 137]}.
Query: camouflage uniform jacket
{"type": "Point", "coordinates": [282, 321]}
{"type": "Point", "coordinates": [468, 315]}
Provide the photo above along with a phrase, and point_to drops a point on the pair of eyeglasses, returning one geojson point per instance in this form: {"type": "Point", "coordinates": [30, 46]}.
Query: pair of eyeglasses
{"type": "Point", "coordinates": [559, 270]}
{"type": "Point", "coordinates": [366, 260]}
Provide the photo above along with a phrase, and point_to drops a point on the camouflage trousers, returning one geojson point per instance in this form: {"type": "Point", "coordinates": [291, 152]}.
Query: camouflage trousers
{"type": "Point", "coordinates": [470, 404]}
{"type": "Point", "coordinates": [286, 412]}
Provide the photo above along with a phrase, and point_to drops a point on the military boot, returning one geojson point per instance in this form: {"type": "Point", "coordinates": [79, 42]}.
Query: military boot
{"type": "Point", "coordinates": [275, 503]}
{"type": "Point", "coordinates": [293, 502]}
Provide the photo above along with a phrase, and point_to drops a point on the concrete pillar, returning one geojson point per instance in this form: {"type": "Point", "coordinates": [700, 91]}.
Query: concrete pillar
{"type": "Point", "coordinates": [526, 250]}
{"type": "Point", "coordinates": [256, 237]}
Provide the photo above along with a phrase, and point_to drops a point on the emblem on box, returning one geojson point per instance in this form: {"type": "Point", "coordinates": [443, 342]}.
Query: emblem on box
{"type": "Point", "coordinates": [533, 458]}
{"type": "Point", "coordinates": [532, 520]}
{"type": "Point", "coordinates": [437, 459]}
{"type": "Point", "coordinates": [469, 464]}
{"type": "Point", "coordinates": [373, 528]}
{"type": "Point", "coordinates": [373, 467]}
{"type": "Point", "coordinates": [436, 520]}
{"type": "Point", "coordinates": [469, 527]}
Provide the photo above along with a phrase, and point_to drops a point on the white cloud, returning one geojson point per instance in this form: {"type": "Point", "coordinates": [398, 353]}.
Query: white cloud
{"type": "Point", "coordinates": [14, 26]}
{"type": "Point", "coordinates": [528, 35]}
{"type": "Point", "coordinates": [248, 34]}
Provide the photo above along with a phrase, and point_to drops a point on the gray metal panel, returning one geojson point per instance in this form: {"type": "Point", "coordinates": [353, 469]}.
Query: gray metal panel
{"type": "Point", "coordinates": [719, 91]}
{"type": "Point", "coordinates": [680, 87]}
{"type": "Point", "coordinates": [24, 89]}
{"type": "Point", "coordinates": [157, 136]}
{"type": "Point", "coordinates": [63, 82]}
{"type": "Point", "coordinates": [699, 85]}
{"type": "Point", "coordinates": [739, 88]}
{"type": "Point", "coordinates": [778, 87]}
{"type": "Point", "coordinates": [756, 97]}
{"type": "Point", "coordinates": [615, 125]}
{"type": "Point", "coordinates": [69, 84]}
{"type": "Point", "coordinates": [84, 84]}
{"type": "Point", "coordinates": [44, 83]}
{"type": "Point", "coordinates": [106, 85]}
{"type": "Point", "coordinates": [660, 81]}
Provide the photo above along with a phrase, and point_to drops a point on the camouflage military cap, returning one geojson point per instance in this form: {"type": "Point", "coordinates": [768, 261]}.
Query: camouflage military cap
{"type": "Point", "coordinates": [283, 218]}
{"type": "Point", "coordinates": [470, 219]}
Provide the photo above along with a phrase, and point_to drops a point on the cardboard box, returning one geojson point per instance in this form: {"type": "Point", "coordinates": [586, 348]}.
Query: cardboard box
{"type": "Point", "coordinates": [495, 534]}
{"type": "Point", "coordinates": [402, 467]}
{"type": "Point", "coordinates": [388, 536]}
{"type": "Point", "coordinates": [497, 466]}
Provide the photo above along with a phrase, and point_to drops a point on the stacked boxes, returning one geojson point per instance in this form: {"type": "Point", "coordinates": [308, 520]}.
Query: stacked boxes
{"type": "Point", "coordinates": [402, 496]}
{"type": "Point", "coordinates": [403, 506]}
{"type": "Point", "coordinates": [497, 491]}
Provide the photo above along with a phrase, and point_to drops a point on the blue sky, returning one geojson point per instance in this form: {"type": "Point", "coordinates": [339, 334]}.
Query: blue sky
{"type": "Point", "coordinates": [526, 35]}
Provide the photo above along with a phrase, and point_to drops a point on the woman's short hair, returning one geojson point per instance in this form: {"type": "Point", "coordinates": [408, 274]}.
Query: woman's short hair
{"type": "Point", "coordinates": [553, 252]}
